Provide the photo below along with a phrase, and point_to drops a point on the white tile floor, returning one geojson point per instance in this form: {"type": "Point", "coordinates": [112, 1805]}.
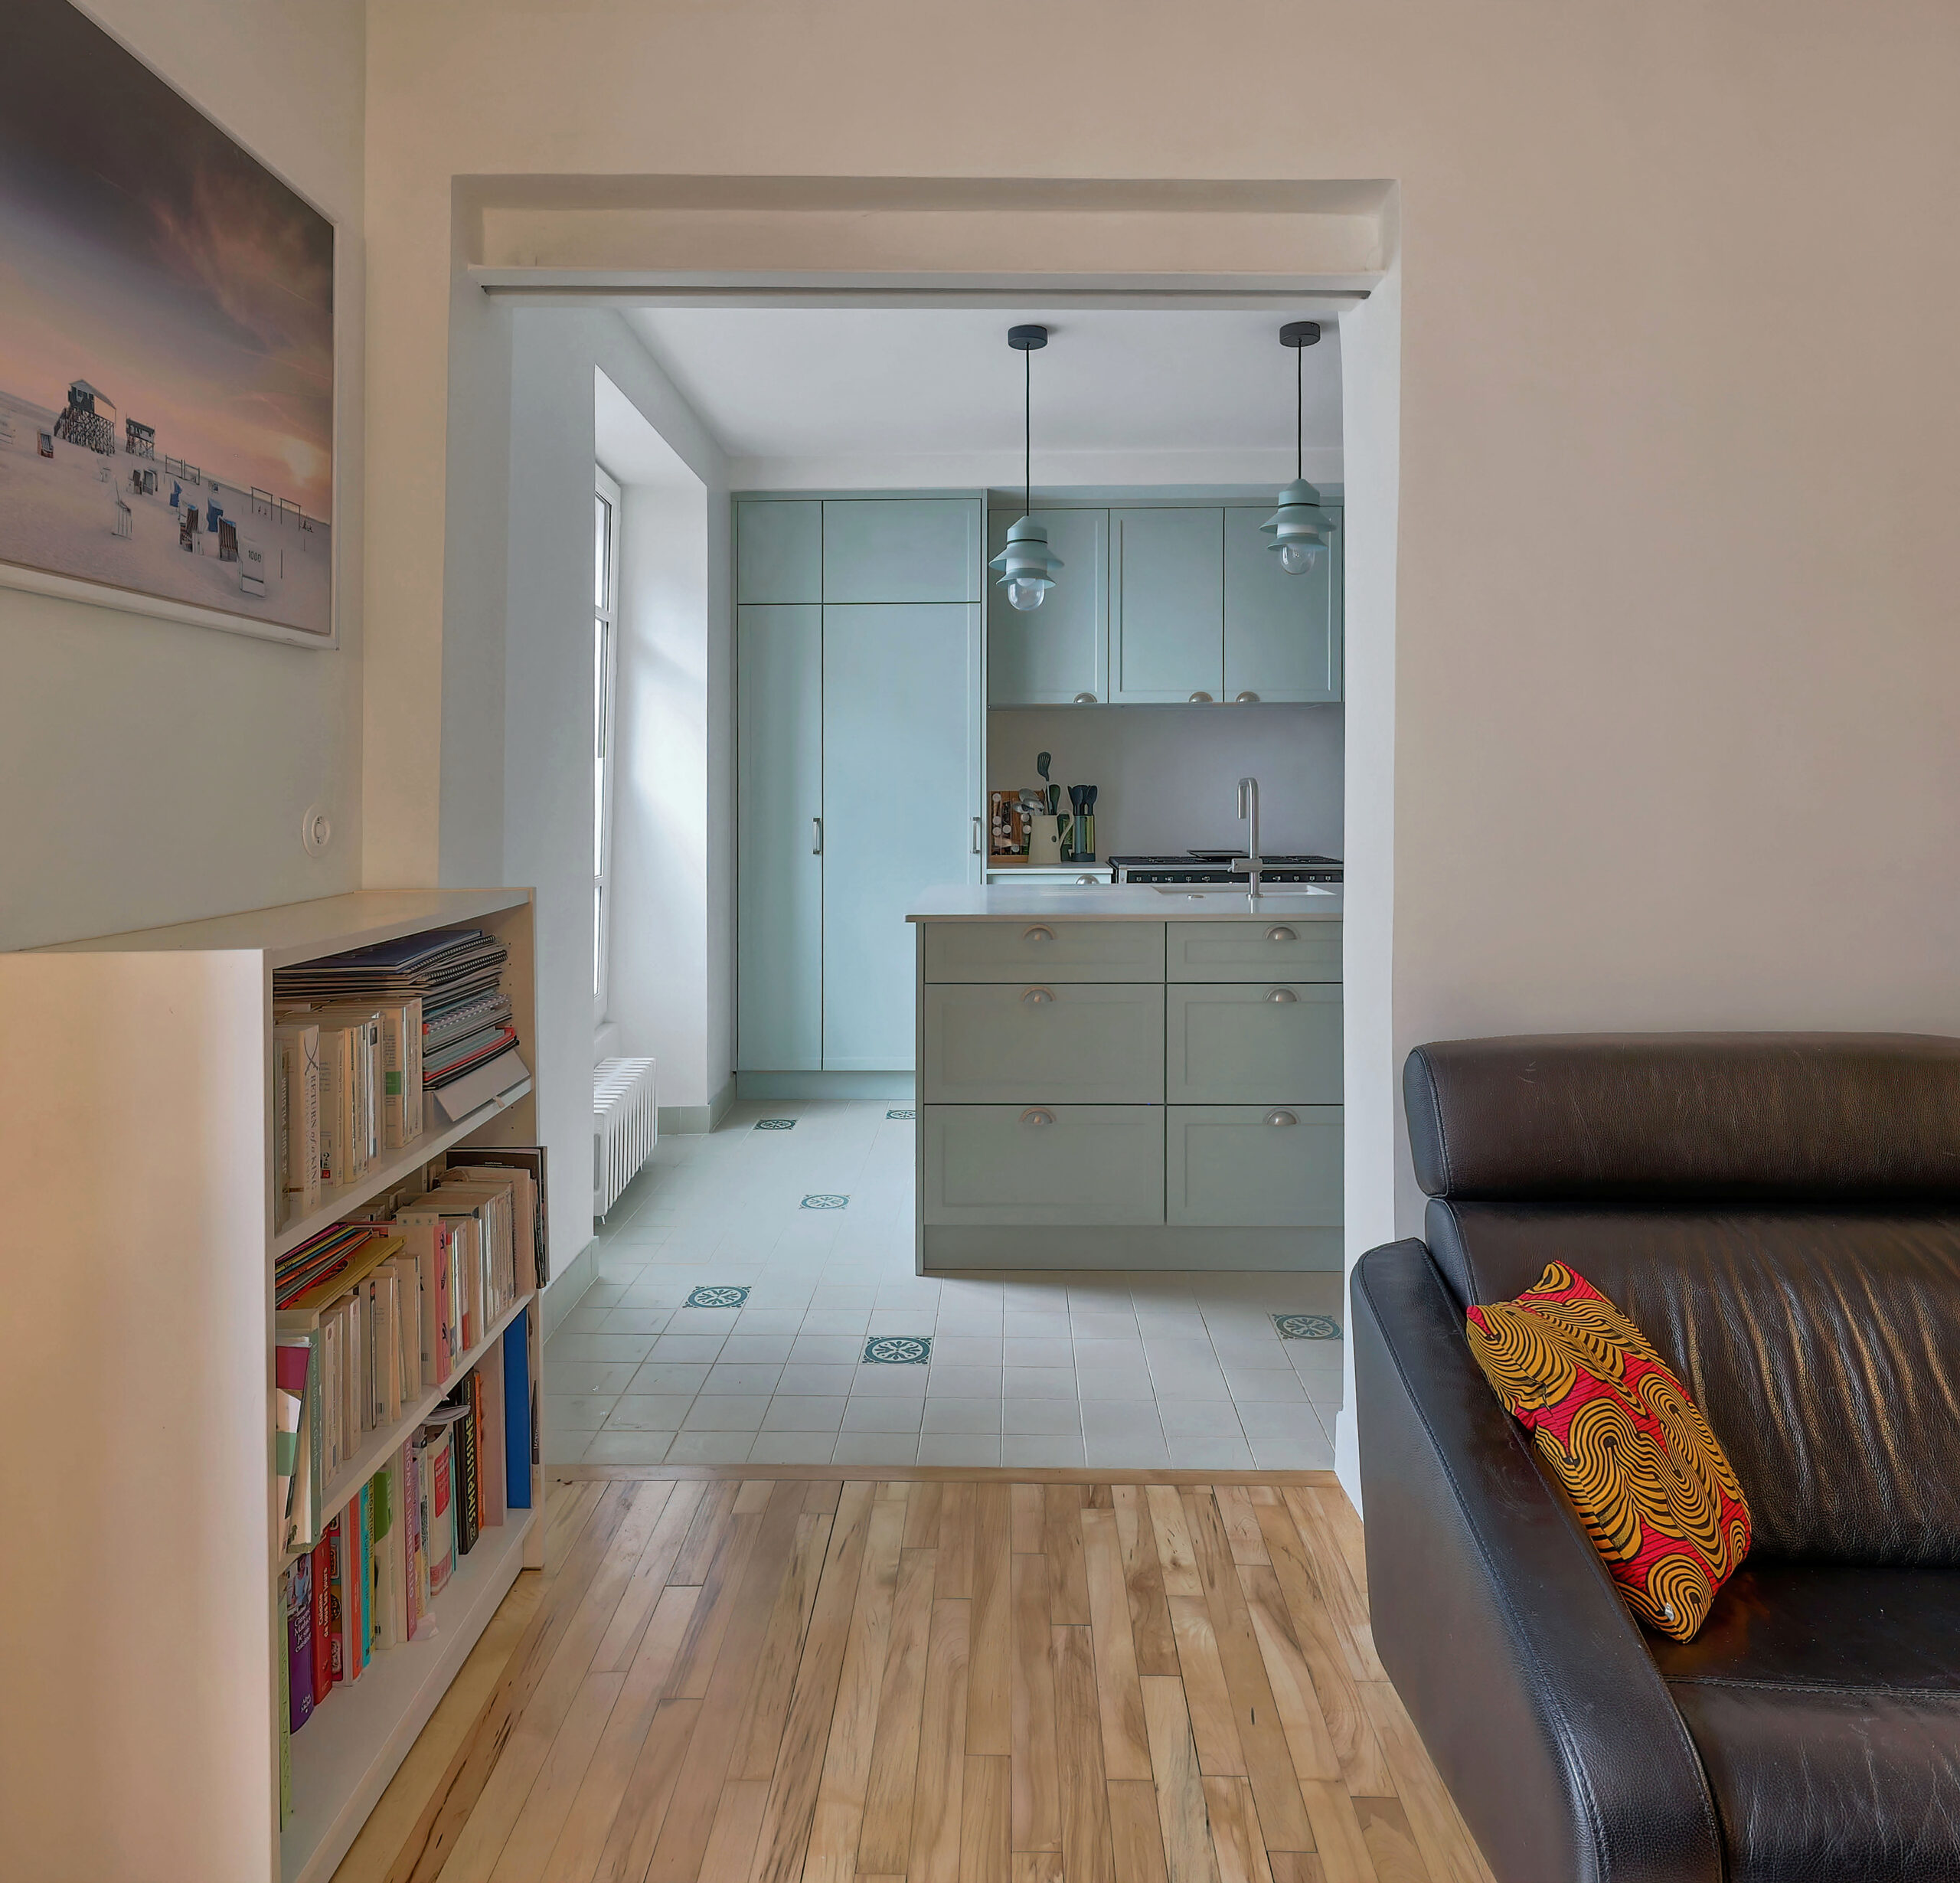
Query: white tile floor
{"type": "Point", "coordinates": [1090, 1368]}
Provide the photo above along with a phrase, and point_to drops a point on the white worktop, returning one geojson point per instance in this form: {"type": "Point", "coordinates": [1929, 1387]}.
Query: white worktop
{"type": "Point", "coordinates": [1129, 902]}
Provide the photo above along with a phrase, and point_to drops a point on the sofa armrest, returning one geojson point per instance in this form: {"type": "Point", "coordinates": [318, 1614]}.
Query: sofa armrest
{"type": "Point", "coordinates": [1514, 1654]}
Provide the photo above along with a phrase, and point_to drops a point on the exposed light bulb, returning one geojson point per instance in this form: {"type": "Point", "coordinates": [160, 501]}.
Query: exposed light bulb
{"type": "Point", "coordinates": [1296, 558]}
{"type": "Point", "coordinates": [1027, 594]}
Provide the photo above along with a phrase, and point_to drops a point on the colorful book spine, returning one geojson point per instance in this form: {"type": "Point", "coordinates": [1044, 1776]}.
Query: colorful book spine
{"type": "Point", "coordinates": [442, 1511]}
{"type": "Point", "coordinates": [298, 1581]}
{"type": "Point", "coordinates": [517, 1414]}
{"type": "Point", "coordinates": [361, 1636]}
{"type": "Point", "coordinates": [288, 1694]}
{"type": "Point", "coordinates": [462, 1469]}
{"type": "Point", "coordinates": [320, 1574]}
{"type": "Point", "coordinates": [337, 1596]}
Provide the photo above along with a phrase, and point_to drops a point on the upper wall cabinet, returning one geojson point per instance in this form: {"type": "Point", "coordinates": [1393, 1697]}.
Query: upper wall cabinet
{"type": "Point", "coordinates": [779, 551]}
{"type": "Point", "coordinates": [1167, 596]}
{"type": "Point", "coordinates": [1054, 655]}
{"type": "Point", "coordinates": [1282, 632]}
{"type": "Point", "coordinates": [901, 550]}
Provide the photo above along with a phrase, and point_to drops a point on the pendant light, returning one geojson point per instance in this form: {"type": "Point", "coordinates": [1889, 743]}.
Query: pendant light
{"type": "Point", "coordinates": [1295, 526]}
{"type": "Point", "coordinates": [1026, 565]}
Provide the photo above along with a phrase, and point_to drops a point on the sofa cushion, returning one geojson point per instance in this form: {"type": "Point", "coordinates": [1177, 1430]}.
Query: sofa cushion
{"type": "Point", "coordinates": [1649, 1480]}
{"type": "Point", "coordinates": [1824, 1702]}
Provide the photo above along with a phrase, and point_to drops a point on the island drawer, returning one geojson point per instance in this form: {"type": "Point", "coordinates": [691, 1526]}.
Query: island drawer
{"type": "Point", "coordinates": [1052, 950]}
{"type": "Point", "coordinates": [1264, 1166]}
{"type": "Point", "coordinates": [1252, 1043]}
{"type": "Point", "coordinates": [1260, 949]}
{"type": "Point", "coordinates": [1048, 1042]}
{"type": "Point", "coordinates": [1013, 1165]}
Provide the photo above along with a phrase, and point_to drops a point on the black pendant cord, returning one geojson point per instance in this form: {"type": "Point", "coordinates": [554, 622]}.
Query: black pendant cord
{"type": "Point", "coordinates": [1299, 413]}
{"type": "Point", "coordinates": [1028, 434]}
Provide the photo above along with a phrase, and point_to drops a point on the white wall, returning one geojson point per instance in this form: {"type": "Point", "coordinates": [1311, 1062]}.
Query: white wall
{"type": "Point", "coordinates": [153, 772]}
{"type": "Point", "coordinates": [1168, 775]}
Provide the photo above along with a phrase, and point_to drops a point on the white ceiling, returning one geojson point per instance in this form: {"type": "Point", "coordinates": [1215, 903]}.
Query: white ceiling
{"type": "Point", "coordinates": [1119, 395]}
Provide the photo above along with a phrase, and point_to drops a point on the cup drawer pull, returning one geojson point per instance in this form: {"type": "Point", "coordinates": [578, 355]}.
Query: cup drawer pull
{"type": "Point", "coordinates": [1037, 997]}
{"type": "Point", "coordinates": [1281, 995]}
{"type": "Point", "coordinates": [1281, 933]}
{"type": "Point", "coordinates": [1037, 1117]}
{"type": "Point", "coordinates": [1039, 934]}
{"type": "Point", "coordinates": [1281, 1118]}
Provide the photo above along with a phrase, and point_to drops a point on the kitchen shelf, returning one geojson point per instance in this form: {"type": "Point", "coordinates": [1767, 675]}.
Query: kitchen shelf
{"type": "Point", "coordinates": [345, 1755]}
{"type": "Point", "coordinates": [336, 1202]}
{"type": "Point", "coordinates": [381, 1445]}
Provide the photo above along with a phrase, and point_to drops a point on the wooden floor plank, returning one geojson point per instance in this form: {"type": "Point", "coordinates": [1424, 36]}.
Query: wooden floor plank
{"type": "Point", "coordinates": [1136, 1837]}
{"type": "Point", "coordinates": [1212, 1725]}
{"type": "Point", "coordinates": [1125, 1742]}
{"type": "Point", "coordinates": [985, 1809]}
{"type": "Point", "coordinates": [731, 1842]}
{"type": "Point", "coordinates": [1449, 1852]}
{"type": "Point", "coordinates": [937, 1801]}
{"type": "Point", "coordinates": [721, 1585]}
{"type": "Point", "coordinates": [799, 1762]}
{"type": "Point", "coordinates": [1241, 1518]}
{"type": "Point", "coordinates": [1173, 1540]}
{"type": "Point", "coordinates": [643, 1806]}
{"type": "Point", "coordinates": [956, 1523]}
{"type": "Point", "coordinates": [1037, 1806]}
{"type": "Point", "coordinates": [1286, 1672]}
{"type": "Point", "coordinates": [760, 1736]}
{"type": "Point", "coordinates": [1084, 1793]}
{"type": "Point", "coordinates": [1296, 1866]}
{"type": "Point", "coordinates": [990, 1674]}
{"type": "Point", "coordinates": [1338, 1588]}
{"type": "Point", "coordinates": [1391, 1843]}
{"type": "Point", "coordinates": [1181, 1803]}
{"type": "Point", "coordinates": [922, 1518]}
{"type": "Point", "coordinates": [703, 1538]}
{"type": "Point", "coordinates": [621, 1642]}
{"type": "Point", "coordinates": [1028, 1518]}
{"type": "Point", "coordinates": [1032, 1866]}
{"type": "Point", "coordinates": [885, 1846]}
{"type": "Point", "coordinates": [1236, 1839]}
{"type": "Point", "coordinates": [1344, 1853]}
{"type": "Point", "coordinates": [1150, 1614]}
{"type": "Point", "coordinates": [549, 1804]}
{"type": "Point", "coordinates": [1061, 1542]}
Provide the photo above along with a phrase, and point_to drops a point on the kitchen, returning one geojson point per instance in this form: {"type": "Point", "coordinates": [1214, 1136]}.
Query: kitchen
{"type": "Point", "coordinates": [959, 709]}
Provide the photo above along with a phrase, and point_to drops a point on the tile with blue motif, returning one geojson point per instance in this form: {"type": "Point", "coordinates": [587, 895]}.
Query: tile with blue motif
{"type": "Point", "coordinates": [824, 1200]}
{"type": "Point", "coordinates": [1306, 1327]}
{"type": "Point", "coordinates": [717, 1297]}
{"type": "Point", "coordinates": [898, 1350]}
{"type": "Point", "coordinates": [901, 1114]}
{"type": "Point", "coordinates": [776, 1124]}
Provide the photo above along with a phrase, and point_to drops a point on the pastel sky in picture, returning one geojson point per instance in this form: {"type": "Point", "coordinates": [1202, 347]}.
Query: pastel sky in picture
{"type": "Point", "coordinates": [142, 251]}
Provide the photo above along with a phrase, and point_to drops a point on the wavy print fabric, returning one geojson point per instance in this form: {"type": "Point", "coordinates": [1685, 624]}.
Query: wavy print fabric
{"type": "Point", "coordinates": [1648, 1479]}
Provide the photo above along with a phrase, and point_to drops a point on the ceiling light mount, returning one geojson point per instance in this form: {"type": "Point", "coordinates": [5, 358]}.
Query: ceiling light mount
{"type": "Point", "coordinates": [1296, 525]}
{"type": "Point", "coordinates": [1026, 566]}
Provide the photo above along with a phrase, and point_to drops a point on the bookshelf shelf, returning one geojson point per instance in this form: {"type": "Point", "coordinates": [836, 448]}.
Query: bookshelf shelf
{"type": "Point", "coordinates": [342, 1762]}
{"type": "Point", "coordinates": [137, 1154]}
{"type": "Point", "coordinates": [396, 1165]}
{"type": "Point", "coordinates": [381, 1445]}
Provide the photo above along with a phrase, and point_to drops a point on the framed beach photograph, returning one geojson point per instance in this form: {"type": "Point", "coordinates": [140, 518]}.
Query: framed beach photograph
{"type": "Point", "coordinates": [166, 392]}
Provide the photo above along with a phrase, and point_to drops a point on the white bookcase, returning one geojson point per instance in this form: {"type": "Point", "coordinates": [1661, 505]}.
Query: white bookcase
{"type": "Point", "coordinates": [140, 1646]}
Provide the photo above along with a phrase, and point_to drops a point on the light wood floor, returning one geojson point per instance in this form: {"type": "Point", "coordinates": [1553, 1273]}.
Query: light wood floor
{"type": "Point", "coordinates": [799, 1681]}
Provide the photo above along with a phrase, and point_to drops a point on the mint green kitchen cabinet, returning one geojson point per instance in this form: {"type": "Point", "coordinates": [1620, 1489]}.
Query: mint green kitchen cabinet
{"type": "Point", "coordinates": [994, 1166]}
{"type": "Point", "coordinates": [780, 873]}
{"type": "Point", "coordinates": [1060, 1044]}
{"type": "Point", "coordinates": [1166, 604]}
{"type": "Point", "coordinates": [1266, 1166]}
{"type": "Point", "coordinates": [778, 550]}
{"type": "Point", "coordinates": [901, 787]}
{"type": "Point", "coordinates": [1048, 949]}
{"type": "Point", "coordinates": [1251, 1043]}
{"type": "Point", "coordinates": [901, 549]}
{"type": "Point", "coordinates": [1263, 949]}
{"type": "Point", "coordinates": [1054, 655]}
{"type": "Point", "coordinates": [1282, 632]}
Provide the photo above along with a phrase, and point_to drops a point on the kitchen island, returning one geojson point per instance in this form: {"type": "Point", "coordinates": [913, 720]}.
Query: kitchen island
{"type": "Point", "coordinates": [1125, 1077]}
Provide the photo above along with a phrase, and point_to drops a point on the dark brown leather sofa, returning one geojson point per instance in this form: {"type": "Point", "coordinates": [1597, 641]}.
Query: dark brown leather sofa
{"type": "Point", "coordinates": [1780, 1214]}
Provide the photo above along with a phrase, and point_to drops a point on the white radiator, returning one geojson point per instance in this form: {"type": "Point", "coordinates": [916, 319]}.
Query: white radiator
{"type": "Point", "coordinates": [625, 1126]}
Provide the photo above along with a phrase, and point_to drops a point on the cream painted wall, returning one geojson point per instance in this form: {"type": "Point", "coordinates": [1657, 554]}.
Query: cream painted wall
{"type": "Point", "coordinates": [152, 772]}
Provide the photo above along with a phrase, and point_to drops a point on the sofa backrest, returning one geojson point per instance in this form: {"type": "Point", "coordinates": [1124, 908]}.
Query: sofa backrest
{"type": "Point", "coordinates": [1778, 1214]}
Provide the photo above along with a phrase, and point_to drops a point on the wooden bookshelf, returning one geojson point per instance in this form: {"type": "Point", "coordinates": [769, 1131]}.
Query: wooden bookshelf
{"type": "Point", "coordinates": [139, 1631]}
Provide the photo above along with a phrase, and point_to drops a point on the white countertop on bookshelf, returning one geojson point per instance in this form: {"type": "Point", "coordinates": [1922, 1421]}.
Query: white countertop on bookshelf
{"type": "Point", "coordinates": [345, 1755]}
{"type": "Point", "coordinates": [304, 931]}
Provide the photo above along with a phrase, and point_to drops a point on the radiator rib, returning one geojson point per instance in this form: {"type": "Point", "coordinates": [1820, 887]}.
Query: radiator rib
{"type": "Point", "coordinates": [625, 1128]}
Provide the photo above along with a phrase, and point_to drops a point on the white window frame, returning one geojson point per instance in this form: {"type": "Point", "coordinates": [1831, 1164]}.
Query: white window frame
{"type": "Point", "coordinates": [606, 669]}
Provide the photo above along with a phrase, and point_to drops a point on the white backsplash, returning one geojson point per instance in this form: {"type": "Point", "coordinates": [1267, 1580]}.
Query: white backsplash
{"type": "Point", "coordinates": [1169, 774]}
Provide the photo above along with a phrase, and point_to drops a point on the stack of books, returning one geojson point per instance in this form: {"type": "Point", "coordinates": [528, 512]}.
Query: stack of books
{"type": "Point", "coordinates": [466, 1048]}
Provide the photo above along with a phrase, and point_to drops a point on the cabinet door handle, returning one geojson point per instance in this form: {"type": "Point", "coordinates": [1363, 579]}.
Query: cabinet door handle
{"type": "Point", "coordinates": [1085, 699]}
{"type": "Point", "coordinates": [1037, 997]}
{"type": "Point", "coordinates": [1088, 879]}
{"type": "Point", "coordinates": [1037, 1117]}
{"type": "Point", "coordinates": [1281, 1118]}
{"type": "Point", "coordinates": [1039, 934]}
{"type": "Point", "coordinates": [976, 836]}
{"type": "Point", "coordinates": [1282, 995]}
{"type": "Point", "coordinates": [1201, 699]}
{"type": "Point", "coordinates": [816, 836]}
{"type": "Point", "coordinates": [1245, 699]}
{"type": "Point", "coordinates": [1281, 933]}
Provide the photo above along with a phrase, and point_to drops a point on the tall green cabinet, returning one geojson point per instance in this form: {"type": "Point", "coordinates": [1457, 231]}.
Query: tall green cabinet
{"type": "Point", "coordinates": [857, 672]}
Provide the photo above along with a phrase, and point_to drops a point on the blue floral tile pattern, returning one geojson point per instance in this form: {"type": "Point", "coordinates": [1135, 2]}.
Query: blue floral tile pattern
{"type": "Point", "coordinates": [776, 1124]}
{"type": "Point", "coordinates": [901, 1114]}
{"type": "Point", "coordinates": [1306, 1327]}
{"type": "Point", "coordinates": [824, 1200]}
{"type": "Point", "coordinates": [898, 1350]}
{"type": "Point", "coordinates": [717, 1297]}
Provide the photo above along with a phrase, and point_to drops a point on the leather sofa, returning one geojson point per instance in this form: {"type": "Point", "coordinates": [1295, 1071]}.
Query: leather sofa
{"type": "Point", "coordinates": [1779, 1214]}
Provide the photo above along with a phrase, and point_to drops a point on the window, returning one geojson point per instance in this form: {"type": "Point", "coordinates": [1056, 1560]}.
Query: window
{"type": "Point", "coordinates": [605, 663]}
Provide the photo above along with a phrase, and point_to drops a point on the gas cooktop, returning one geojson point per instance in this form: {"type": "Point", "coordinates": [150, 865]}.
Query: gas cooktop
{"type": "Point", "coordinates": [1214, 866]}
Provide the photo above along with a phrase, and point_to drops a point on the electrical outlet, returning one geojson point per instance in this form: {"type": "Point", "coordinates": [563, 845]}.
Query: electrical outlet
{"type": "Point", "coordinates": [316, 831]}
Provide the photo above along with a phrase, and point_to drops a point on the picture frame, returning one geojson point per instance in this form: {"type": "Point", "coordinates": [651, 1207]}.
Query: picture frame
{"type": "Point", "coordinates": [153, 253]}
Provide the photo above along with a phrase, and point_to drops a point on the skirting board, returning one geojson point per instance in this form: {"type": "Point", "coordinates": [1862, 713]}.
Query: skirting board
{"type": "Point", "coordinates": [562, 1294]}
{"type": "Point", "coordinates": [794, 1085]}
{"type": "Point", "coordinates": [696, 1121]}
{"type": "Point", "coordinates": [1146, 1247]}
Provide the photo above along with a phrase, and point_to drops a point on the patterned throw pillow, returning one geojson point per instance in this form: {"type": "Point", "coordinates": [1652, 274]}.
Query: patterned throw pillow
{"type": "Point", "coordinates": [1652, 1486]}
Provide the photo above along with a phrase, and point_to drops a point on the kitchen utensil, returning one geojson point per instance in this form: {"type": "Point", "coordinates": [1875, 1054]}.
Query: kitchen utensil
{"type": "Point", "coordinates": [1045, 839]}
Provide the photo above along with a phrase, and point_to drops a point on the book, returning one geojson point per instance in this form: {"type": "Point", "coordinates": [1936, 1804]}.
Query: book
{"type": "Point", "coordinates": [290, 1671]}
{"type": "Point", "coordinates": [319, 1573]}
{"type": "Point", "coordinates": [442, 1465]}
{"type": "Point", "coordinates": [427, 1236]}
{"type": "Point", "coordinates": [363, 1572]}
{"type": "Point", "coordinates": [534, 1209]}
{"type": "Point", "coordinates": [299, 1041]}
{"type": "Point", "coordinates": [475, 1086]}
{"type": "Point", "coordinates": [297, 1581]}
{"type": "Point", "coordinates": [292, 1363]}
{"type": "Point", "coordinates": [517, 1414]}
{"type": "Point", "coordinates": [462, 1440]}
{"type": "Point", "coordinates": [401, 1063]}
{"type": "Point", "coordinates": [491, 1473]}
{"type": "Point", "coordinates": [337, 1597]}
{"type": "Point", "coordinates": [338, 1107]}
{"type": "Point", "coordinates": [416, 1593]}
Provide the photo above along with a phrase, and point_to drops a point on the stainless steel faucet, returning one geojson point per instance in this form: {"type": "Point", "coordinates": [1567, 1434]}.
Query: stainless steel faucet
{"type": "Point", "coordinates": [1248, 865]}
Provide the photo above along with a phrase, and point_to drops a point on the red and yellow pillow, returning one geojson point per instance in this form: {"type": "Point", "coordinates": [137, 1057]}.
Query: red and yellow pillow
{"type": "Point", "coordinates": [1649, 1480]}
